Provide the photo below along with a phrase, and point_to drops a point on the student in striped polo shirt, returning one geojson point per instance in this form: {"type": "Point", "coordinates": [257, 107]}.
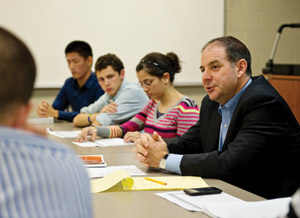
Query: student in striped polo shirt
{"type": "Point", "coordinates": [169, 112]}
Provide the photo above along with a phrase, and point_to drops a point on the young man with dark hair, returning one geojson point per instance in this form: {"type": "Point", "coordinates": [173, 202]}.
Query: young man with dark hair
{"type": "Point", "coordinates": [121, 101]}
{"type": "Point", "coordinates": [80, 90]}
{"type": "Point", "coordinates": [38, 178]}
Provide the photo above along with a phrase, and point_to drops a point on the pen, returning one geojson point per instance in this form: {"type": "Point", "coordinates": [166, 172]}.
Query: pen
{"type": "Point", "coordinates": [156, 181]}
{"type": "Point", "coordinates": [90, 133]}
{"type": "Point", "coordinates": [49, 129]}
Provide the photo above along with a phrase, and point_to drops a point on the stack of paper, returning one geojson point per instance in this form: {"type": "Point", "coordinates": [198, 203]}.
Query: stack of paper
{"type": "Point", "coordinates": [227, 206]}
{"type": "Point", "coordinates": [260, 209]}
{"type": "Point", "coordinates": [196, 203]}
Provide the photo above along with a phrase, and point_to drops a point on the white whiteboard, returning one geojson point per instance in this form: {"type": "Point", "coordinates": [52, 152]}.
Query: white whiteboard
{"type": "Point", "coordinates": [128, 28]}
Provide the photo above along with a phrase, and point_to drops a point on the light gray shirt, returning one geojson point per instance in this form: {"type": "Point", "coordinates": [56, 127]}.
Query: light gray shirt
{"type": "Point", "coordinates": [130, 99]}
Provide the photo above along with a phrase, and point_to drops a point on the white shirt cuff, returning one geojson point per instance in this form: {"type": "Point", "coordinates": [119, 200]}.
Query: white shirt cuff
{"type": "Point", "coordinates": [173, 163]}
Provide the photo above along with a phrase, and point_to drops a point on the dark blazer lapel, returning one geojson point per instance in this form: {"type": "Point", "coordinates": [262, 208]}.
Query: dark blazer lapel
{"type": "Point", "coordinates": [213, 127]}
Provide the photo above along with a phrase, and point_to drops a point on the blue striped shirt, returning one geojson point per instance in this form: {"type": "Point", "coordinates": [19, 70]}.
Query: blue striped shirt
{"type": "Point", "coordinates": [40, 178]}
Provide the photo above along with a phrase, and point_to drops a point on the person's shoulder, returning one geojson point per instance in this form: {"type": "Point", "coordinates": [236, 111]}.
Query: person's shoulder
{"type": "Point", "coordinates": [94, 84]}
{"type": "Point", "coordinates": [68, 82]}
{"type": "Point", "coordinates": [93, 79]}
{"type": "Point", "coordinates": [130, 85]}
{"type": "Point", "coordinates": [133, 88]}
{"type": "Point", "coordinates": [150, 105]}
{"type": "Point", "coordinates": [188, 102]}
{"type": "Point", "coordinates": [260, 94]}
{"type": "Point", "coordinates": [260, 89]}
{"type": "Point", "coordinates": [31, 141]}
{"type": "Point", "coordinates": [93, 75]}
{"type": "Point", "coordinates": [259, 84]}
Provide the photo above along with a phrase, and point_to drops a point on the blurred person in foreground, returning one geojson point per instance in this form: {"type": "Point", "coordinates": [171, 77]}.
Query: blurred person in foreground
{"type": "Point", "coordinates": [39, 178]}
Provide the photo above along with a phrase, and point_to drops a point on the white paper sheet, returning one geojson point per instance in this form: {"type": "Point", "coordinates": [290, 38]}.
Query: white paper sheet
{"type": "Point", "coordinates": [64, 134]}
{"type": "Point", "coordinates": [132, 170]}
{"type": "Point", "coordinates": [227, 206]}
{"type": "Point", "coordinates": [196, 203]}
{"type": "Point", "coordinates": [168, 196]}
{"type": "Point", "coordinates": [103, 143]}
{"type": "Point", "coordinates": [259, 209]}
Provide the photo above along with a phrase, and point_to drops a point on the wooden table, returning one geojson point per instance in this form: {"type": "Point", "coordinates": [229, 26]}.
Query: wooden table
{"type": "Point", "coordinates": [143, 204]}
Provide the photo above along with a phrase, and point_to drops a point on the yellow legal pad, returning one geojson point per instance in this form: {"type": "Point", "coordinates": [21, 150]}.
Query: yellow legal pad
{"type": "Point", "coordinates": [121, 181]}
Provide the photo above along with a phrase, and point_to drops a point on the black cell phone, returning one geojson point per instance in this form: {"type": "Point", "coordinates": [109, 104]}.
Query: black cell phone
{"type": "Point", "coordinates": [202, 191]}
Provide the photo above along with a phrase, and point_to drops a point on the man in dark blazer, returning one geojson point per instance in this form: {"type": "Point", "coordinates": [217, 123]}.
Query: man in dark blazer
{"type": "Point", "coordinates": [246, 134]}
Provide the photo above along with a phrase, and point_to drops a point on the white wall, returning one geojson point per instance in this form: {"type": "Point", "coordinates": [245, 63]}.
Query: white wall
{"type": "Point", "coordinates": [256, 22]}
{"type": "Point", "coordinates": [128, 28]}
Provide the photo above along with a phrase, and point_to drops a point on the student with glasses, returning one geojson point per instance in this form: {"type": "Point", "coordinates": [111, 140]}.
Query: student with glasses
{"type": "Point", "coordinates": [168, 112]}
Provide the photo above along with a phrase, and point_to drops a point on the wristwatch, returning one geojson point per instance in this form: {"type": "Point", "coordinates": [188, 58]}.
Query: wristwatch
{"type": "Point", "coordinates": [162, 162]}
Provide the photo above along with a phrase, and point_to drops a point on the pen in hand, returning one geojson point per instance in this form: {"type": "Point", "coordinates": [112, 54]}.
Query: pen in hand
{"type": "Point", "coordinates": [80, 138]}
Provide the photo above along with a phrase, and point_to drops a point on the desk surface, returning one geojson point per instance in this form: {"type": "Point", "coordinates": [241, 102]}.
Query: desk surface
{"type": "Point", "coordinates": [138, 203]}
